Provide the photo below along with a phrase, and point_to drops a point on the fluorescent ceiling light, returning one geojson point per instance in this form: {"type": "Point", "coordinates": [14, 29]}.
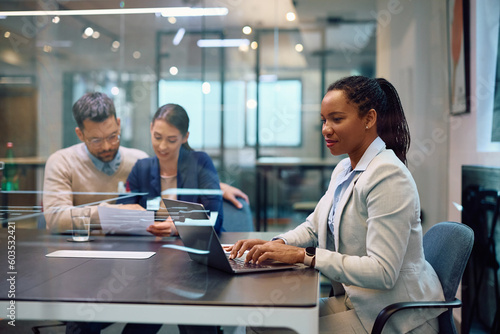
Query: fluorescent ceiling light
{"type": "Point", "coordinates": [187, 11]}
{"type": "Point", "coordinates": [178, 36]}
{"type": "Point", "coordinates": [16, 81]}
{"type": "Point", "coordinates": [222, 43]}
{"type": "Point", "coordinates": [164, 11]}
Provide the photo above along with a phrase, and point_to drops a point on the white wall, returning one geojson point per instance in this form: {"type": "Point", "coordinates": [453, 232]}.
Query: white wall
{"type": "Point", "coordinates": [470, 134]}
{"type": "Point", "coordinates": [412, 54]}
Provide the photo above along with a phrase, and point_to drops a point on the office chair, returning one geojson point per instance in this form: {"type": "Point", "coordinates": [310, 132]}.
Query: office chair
{"type": "Point", "coordinates": [447, 247]}
{"type": "Point", "coordinates": [237, 220]}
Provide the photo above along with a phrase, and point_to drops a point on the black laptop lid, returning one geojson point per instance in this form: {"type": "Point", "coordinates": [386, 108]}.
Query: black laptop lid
{"type": "Point", "coordinates": [202, 237]}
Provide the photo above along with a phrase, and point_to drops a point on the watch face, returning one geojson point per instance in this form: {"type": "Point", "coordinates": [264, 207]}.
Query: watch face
{"type": "Point", "coordinates": [311, 251]}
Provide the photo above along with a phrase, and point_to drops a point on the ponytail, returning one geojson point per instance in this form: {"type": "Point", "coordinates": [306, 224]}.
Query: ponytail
{"type": "Point", "coordinates": [379, 94]}
{"type": "Point", "coordinates": [392, 126]}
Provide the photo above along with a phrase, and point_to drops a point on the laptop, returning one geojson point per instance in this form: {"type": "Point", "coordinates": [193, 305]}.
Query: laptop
{"type": "Point", "coordinates": [180, 210]}
{"type": "Point", "coordinates": [203, 246]}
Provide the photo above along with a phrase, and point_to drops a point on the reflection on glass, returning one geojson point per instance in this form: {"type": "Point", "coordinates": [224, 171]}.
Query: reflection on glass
{"type": "Point", "coordinates": [268, 84]}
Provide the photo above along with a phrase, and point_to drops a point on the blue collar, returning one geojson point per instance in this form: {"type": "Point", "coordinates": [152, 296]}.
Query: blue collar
{"type": "Point", "coordinates": [108, 168]}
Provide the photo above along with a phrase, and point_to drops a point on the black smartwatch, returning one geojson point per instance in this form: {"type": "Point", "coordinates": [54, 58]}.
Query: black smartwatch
{"type": "Point", "coordinates": [309, 256]}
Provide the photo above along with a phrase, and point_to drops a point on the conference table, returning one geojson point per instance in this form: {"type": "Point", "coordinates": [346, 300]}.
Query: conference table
{"type": "Point", "coordinates": [165, 288]}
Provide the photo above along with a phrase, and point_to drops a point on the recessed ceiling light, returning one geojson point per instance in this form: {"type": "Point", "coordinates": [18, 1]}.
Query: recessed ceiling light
{"type": "Point", "coordinates": [247, 30]}
{"type": "Point", "coordinates": [290, 16]}
{"type": "Point", "coordinates": [206, 88]}
{"type": "Point", "coordinates": [173, 70]}
{"type": "Point", "coordinates": [251, 104]}
{"type": "Point", "coordinates": [88, 31]}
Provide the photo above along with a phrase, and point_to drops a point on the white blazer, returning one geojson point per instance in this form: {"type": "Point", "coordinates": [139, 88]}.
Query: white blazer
{"type": "Point", "coordinates": [377, 253]}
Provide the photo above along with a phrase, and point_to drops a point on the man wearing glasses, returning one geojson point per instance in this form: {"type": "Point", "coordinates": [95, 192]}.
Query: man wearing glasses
{"type": "Point", "coordinates": [96, 170]}
{"type": "Point", "coordinates": [90, 172]}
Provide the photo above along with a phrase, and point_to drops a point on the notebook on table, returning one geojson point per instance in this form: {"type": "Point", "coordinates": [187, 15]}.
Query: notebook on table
{"type": "Point", "coordinates": [203, 246]}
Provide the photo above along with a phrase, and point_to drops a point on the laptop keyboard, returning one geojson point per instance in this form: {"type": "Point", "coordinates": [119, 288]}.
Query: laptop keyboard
{"type": "Point", "coordinates": [239, 263]}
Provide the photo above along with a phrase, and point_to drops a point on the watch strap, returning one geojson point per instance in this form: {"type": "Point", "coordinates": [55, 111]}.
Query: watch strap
{"type": "Point", "coordinates": [309, 256]}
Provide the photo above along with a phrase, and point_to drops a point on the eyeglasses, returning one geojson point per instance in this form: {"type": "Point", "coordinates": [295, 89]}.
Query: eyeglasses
{"type": "Point", "coordinates": [112, 140]}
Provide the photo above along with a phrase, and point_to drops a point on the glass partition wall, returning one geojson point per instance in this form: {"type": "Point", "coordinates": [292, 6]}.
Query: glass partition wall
{"type": "Point", "coordinates": [251, 78]}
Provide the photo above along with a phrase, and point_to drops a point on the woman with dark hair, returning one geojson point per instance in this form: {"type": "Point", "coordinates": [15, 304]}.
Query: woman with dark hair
{"type": "Point", "coordinates": [174, 166]}
{"type": "Point", "coordinates": [365, 233]}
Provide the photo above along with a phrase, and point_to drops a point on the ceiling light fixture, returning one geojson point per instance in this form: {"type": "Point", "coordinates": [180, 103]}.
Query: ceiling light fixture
{"type": "Point", "coordinates": [206, 88]}
{"type": "Point", "coordinates": [173, 70]}
{"type": "Point", "coordinates": [88, 32]}
{"type": "Point", "coordinates": [290, 16]}
{"type": "Point", "coordinates": [222, 43]}
{"type": "Point", "coordinates": [164, 11]}
{"type": "Point", "coordinates": [178, 36]}
{"type": "Point", "coordinates": [247, 30]}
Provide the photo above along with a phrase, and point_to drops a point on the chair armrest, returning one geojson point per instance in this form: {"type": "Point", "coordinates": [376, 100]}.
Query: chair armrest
{"type": "Point", "coordinates": [388, 311]}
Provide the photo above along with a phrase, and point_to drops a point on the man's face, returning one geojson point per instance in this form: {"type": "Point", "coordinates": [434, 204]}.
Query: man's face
{"type": "Point", "coordinates": [101, 138]}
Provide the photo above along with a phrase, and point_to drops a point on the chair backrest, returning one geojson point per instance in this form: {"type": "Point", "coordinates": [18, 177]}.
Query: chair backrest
{"type": "Point", "coordinates": [447, 247]}
{"type": "Point", "coordinates": [237, 220]}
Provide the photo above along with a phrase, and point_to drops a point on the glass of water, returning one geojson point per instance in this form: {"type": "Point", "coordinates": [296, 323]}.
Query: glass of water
{"type": "Point", "coordinates": [80, 218]}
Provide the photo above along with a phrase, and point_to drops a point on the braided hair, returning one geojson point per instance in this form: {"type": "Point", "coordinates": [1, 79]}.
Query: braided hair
{"type": "Point", "coordinates": [379, 94]}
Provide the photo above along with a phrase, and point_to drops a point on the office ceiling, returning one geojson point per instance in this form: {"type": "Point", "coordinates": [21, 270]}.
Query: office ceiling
{"type": "Point", "coordinates": [345, 29]}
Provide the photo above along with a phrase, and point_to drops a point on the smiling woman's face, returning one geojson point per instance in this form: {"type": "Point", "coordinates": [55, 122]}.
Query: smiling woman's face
{"type": "Point", "coordinates": [166, 140]}
{"type": "Point", "coordinates": [344, 131]}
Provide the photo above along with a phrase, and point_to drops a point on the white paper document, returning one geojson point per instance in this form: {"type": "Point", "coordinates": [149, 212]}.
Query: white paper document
{"type": "Point", "coordinates": [101, 254]}
{"type": "Point", "coordinates": [122, 221]}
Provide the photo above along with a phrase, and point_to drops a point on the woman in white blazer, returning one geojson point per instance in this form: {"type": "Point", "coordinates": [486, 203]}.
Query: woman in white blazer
{"type": "Point", "coordinates": [365, 234]}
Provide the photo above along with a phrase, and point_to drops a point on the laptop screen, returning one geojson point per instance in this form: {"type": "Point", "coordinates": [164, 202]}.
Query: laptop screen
{"type": "Point", "coordinates": [180, 210]}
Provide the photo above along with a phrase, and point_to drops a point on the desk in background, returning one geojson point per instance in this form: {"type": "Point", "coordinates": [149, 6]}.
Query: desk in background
{"type": "Point", "coordinates": [167, 288]}
{"type": "Point", "coordinates": [272, 166]}
{"type": "Point", "coordinates": [29, 182]}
